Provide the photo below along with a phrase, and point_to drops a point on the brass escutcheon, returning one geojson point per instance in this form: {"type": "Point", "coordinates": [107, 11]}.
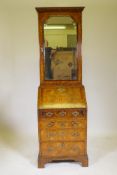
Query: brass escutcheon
{"type": "Point", "coordinates": [75, 113]}
{"type": "Point", "coordinates": [49, 114]}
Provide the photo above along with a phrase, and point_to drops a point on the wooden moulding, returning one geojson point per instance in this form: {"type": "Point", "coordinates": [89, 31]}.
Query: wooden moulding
{"type": "Point", "coordinates": [59, 9]}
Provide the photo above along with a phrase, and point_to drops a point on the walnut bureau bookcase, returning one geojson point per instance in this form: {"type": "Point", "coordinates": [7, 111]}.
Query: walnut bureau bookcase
{"type": "Point", "coordinates": [62, 106]}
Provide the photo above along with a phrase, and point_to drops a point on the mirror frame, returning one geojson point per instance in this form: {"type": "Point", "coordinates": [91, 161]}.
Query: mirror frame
{"type": "Point", "coordinates": [76, 14]}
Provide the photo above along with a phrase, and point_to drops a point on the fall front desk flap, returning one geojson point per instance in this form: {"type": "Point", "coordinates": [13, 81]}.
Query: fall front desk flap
{"type": "Point", "coordinates": [61, 97]}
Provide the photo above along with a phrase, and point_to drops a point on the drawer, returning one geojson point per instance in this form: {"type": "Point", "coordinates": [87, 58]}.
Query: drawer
{"type": "Point", "coordinates": [63, 135]}
{"type": "Point", "coordinates": [61, 113]}
{"type": "Point", "coordinates": [61, 123]}
{"type": "Point", "coordinates": [62, 149]}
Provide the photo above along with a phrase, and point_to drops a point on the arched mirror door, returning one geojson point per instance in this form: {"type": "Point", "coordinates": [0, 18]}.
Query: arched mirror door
{"type": "Point", "coordinates": [60, 40]}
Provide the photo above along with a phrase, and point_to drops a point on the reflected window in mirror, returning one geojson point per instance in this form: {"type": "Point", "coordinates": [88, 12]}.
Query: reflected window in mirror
{"type": "Point", "coordinates": [60, 40]}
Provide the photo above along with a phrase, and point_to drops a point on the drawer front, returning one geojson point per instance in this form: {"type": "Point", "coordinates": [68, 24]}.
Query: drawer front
{"type": "Point", "coordinates": [58, 123]}
{"type": "Point", "coordinates": [63, 135]}
{"type": "Point", "coordinates": [61, 113]}
{"type": "Point", "coordinates": [62, 148]}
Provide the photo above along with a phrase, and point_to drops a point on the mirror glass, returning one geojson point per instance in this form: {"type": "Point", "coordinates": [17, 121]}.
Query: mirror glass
{"type": "Point", "coordinates": [60, 40]}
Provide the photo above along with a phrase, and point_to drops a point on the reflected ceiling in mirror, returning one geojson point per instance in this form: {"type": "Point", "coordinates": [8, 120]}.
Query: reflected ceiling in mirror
{"type": "Point", "coordinates": [60, 40]}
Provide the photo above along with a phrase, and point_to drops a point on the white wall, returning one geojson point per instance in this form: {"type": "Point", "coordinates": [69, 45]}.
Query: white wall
{"type": "Point", "coordinates": [19, 69]}
{"type": "Point", "coordinates": [100, 67]}
{"type": "Point", "coordinates": [6, 65]}
{"type": "Point", "coordinates": [19, 72]}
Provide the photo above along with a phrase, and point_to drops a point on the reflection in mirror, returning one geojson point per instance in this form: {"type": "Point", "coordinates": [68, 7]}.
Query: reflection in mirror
{"type": "Point", "coordinates": [60, 39]}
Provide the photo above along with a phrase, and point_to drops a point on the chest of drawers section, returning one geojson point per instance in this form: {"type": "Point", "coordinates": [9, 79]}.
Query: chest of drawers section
{"type": "Point", "coordinates": [63, 134]}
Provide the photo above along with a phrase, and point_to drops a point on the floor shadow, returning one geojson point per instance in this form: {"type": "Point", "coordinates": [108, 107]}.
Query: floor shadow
{"type": "Point", "coordinates": [100, 147]}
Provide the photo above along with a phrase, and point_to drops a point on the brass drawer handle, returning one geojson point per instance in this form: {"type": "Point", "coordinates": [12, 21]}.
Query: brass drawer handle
{"type": "Point", "coordinates": [50, 124]}
{"type": "Point", "coordinates": [75, 134]}
{"type": "Point", "coordinates": [62, 113]}
{"type": "Point", "coordinates": [51, 134]}
{"type": "Point", "coordinates": [75, 113]}
{"type": "Point", "coordinates": [49, 114]}
{"type": "Point", "coordinates": [75, 148]}
{"type": "Point", "coordinates": [62, 124]}
{"type": "Point", "coordinates": [50, 149]}
{"type": "Point", "coordinates": [61, 89]}
{"type": "Point", "coordinates": [74, 124]}
{"type": "Point", "coordinates": [62, 145]}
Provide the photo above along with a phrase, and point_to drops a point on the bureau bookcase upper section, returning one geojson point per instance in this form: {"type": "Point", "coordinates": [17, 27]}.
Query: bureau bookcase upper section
{"type": "Point", "coordinates": [60, 40]}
